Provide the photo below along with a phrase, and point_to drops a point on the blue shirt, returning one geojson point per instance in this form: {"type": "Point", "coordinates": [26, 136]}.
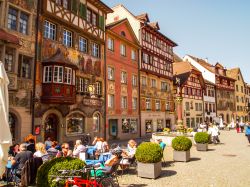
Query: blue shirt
{"type": "Point", "coordinates": [162, 145]}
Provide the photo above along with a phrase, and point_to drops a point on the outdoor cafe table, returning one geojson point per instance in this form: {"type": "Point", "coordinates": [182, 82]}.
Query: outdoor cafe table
{"type": "Point", "coordinates": [102, 159]}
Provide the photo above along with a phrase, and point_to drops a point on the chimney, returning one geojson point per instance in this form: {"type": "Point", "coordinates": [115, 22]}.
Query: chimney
{"type": "Point", "coordinates": [206, 59]}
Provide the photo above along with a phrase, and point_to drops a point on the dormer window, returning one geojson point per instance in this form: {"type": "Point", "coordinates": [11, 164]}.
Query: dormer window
{"type": "Point", "coordinates": [123, 34]}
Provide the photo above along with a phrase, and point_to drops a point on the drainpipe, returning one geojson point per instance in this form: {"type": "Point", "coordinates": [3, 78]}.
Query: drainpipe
{"type": "Point", "coordinates": [105, 88]}
{"type": "Point", "coordinates": [35, 66]}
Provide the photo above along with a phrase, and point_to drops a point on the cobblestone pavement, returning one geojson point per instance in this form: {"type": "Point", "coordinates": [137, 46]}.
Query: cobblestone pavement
{"type": "Point", "coordinates": [224, 165]}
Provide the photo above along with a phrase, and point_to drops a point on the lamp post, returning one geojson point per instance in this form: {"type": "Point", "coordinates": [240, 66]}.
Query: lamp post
{"type": "Point", "coordinates": [179, 104]}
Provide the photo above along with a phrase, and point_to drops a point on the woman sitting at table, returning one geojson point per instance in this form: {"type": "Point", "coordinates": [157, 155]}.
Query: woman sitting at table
{"type": "Point", "coordinates": [100, 145]}
{"type": "Point", "coordinates": [128, 154]}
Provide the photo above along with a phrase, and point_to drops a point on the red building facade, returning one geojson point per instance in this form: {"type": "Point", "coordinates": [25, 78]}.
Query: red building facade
{"type": "Point", "coordinates": [122, 85]}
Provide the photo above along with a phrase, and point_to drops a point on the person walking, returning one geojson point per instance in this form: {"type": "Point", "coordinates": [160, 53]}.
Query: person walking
{"type": "Point", "coordinates": [242, 127]}
{"type": "Point", "coordinates": [247, 131]}
{"type": "Point", "coordinates": [214, 131]}
{"type": "Point", "coordinates": [237, 127]}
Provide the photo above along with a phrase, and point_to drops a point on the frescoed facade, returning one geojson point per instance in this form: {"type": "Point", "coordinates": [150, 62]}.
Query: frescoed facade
{"type": "Point", "coordinates": [17, 53]}
{"type": "Point", "coordinates": [122, 59]}
{"type": "Point", "coordinates": [70, 70]}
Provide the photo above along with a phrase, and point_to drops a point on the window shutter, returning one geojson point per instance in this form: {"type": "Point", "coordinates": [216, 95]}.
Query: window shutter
{"type": "Point", "coordinates": [74, 6]}
{"type": "Point", "coordinates": [82, 11]}
{"type": "Point", "coordinates": [101, 22]}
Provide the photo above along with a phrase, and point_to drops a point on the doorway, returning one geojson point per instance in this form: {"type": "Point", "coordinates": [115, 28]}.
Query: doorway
{"type": "Point", "coordinates": [13, 126]}
{"type": "Point", "coordinates": [113, 127]}
{"type": "Point", "coordinates": [51, 127]}
{"type": "Point", "coordinates": [168, 123]}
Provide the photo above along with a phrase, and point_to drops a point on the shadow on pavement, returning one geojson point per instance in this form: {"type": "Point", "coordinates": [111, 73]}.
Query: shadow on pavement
{"type": "Point", "coordinates": [194, 159]}
{"type": "Point", "coordinates": [167, 173]}
{"type": "Point", "coordinates": [210, 149]}
{"type": "Point", "coordinates": [167, 164]}
{"type": "Point", "coordinates": [137, 185]}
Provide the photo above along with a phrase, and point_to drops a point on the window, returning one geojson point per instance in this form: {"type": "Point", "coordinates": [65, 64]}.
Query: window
{"type": "Point", "coordinates": [65, 4]}
{"type": "Point", "coordinates": [134, 103]}
{"type": "Point", "coordinates": [81, 84]}
{"type": "Point", "coordinates": [110, 101]}
{"type": "Point", "coordinates": [124, 102]}
{"type": "Point", "coordinates": [237, 88]}
{"type": "Point", "coordinates": [167, 105]}
{"type": "Point", "coordinates": [86, 85]}
{"type": "Point", "coordinates": [123, 50]}
{"type": "Point", "coordinates": [23, 23]}
{"type": "Point", "coordinates": [148, 104]}
{"type": "Point", "coordinates": [24, 67]}
{"type": "Point", "coordinates": [111, 44]}
{"type": "Point", "coordinates": [157, 104]}
{"type": "Point", "coordinates": [12, 18]}
{"type": "Point", "coordinates": [133, 54]}
{"type": "Point", "coordinates": [47, 74]}
{"type": "Point", "coordinates": [88, 15]}
{"type": "Point", "coordinates": [153, 83]}
{"type": "Point", "coordinates": [242, 89]}
{"type": "Point", "coordinates": [83, 44]}
{"type": "Point", "coordinates": [58, 74]}
{"type": "Point", "coordinates": [98, 88]}
{"type": "Point", "coordinates": [95, 50]}
{"type": "Point", "coordinates": [68, 75]}
{"type": "Point", "coordinates": [94, 19]}
{"type": "Point", "coordinates": [111, 73]}
{"type": "Point", "coordinates": [187, 106]}
{"type": "Point", "coordinates": [163, 86]}
{"type": "Point", "coordinates": [144, 81]}
{"type": "Point", "coordinates": [134, 80]}
{"type": "Point", "coordinates": [75, 124]}
{"type": "Point", "coordinates": [200, 106]}
{"type": "Point", "coordinates": [67, 38]}
{"type": "Point", "coordinates": [196, 107]}
{"type": "Point", "coordinates": [49, 30]}
{"type": "Point", "coordinates": [125, 125]}
{"type": "Point", "coordinates": [145, 58]}
{"type": "Point", "coordinates": [124, 77]}
{"type": "Point", "coordinates": [237, 98]}
{"type": "Point", "coordinates": [9, 59]}
{"type": "Point", "coordinates": [96, 122]}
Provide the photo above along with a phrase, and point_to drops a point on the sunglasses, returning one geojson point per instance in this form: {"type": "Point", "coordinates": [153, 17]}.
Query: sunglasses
{"type": "Point", "coordinates": [65, 148]}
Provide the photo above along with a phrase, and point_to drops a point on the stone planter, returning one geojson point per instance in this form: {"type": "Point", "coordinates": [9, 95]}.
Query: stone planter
{"type": "Point", "coordinates": [149, 170]}
{"type": "Point", "coordinates": [201, 147]}
{"type": "Point", "coordinates": [181, 156]}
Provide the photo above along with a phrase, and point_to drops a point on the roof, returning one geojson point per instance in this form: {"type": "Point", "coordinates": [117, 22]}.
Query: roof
{"type": "Point", "coordinates": [154, 25]}
{"type": "Point", "coordinates": [59, 58]}
{"type": "Point", "coordinates": [203, 63]}
{"type": "Point", "coordinates": [177, 58]}
{"type": "Point", "coordinates": [9, 38]}
{"type": "Point", "coordinates": [101, 5]}
{"type": "Point", "coordinates": [143, 17]}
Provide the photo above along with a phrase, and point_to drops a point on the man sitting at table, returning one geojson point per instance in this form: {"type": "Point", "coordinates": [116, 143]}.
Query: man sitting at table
{"type": "Point", "coordinates": [79, 148]}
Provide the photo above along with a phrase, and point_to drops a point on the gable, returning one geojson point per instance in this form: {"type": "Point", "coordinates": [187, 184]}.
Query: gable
{"type": "Point", "coordinates": [125, 30]}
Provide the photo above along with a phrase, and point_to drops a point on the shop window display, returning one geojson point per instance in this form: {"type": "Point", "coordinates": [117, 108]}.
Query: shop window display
{"type": "Point", "coordinates": [125, 125]}
{"type": "Point", "coordinates": [75, 124]}
{"type": "Point", "coordinates": [149, 126]}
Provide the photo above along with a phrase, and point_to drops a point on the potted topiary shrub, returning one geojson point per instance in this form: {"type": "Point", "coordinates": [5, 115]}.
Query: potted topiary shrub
{"type": "Point", "coordinates": [148, 156]}
{"type": "Point", "coordinates": [181, 146]}
{"type": "Point", "coordinates": [201, 139]}
{"type": "Point", "coordinates": [49, 169]}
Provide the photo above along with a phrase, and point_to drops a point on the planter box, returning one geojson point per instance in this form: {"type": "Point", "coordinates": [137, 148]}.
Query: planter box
{"type": "Point", "coordinates": [201, 147]}
{"type": "Point", "coordinates": [181, 156]}
{"type": "Point", "coordinates": [149, 170]}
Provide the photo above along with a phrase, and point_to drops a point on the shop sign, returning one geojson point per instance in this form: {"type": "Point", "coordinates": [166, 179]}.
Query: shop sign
{"type": "Point", "coordinates": [92, 102]}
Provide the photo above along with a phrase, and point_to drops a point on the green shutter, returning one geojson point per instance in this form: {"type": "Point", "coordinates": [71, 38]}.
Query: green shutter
{"type": "Point", "coordinates": [74, 6]}
{"type": "Point", "coordinates": [82, 11]}
{"type": "Point", "coordinates": [101, 22]}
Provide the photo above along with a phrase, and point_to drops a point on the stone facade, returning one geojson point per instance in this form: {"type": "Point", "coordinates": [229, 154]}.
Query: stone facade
{"type": "Point", "coordinates": [17, 52]}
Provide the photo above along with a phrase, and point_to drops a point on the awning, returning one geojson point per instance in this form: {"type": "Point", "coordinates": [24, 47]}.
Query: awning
{"type": "Point", "coordinates": [7, 37]}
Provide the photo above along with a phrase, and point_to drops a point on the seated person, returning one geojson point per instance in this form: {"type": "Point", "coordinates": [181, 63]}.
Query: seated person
{"type": "Point", "coordinates": [66, 152]}
{"type": "Point", "coordinates": [52, 151]}
{"type": "Point", "coordinates": [41, 152]}
{"type": "Point", "coordinates": [106, 167]}
{"type": "Point", "coordinates": [79, 148]}
{"type": "Point", "coordinates": [19, 160]}
{"type": "Point", "coordinates": [129, 154]}
{"type": "Point", "coordinates": [161, 143]}
{"type": "Point", "coordinates": [31, 146]}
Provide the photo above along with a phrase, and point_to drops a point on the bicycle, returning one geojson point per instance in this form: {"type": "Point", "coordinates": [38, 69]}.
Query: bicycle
{"type": "Point", "coordinates": [79, 181]}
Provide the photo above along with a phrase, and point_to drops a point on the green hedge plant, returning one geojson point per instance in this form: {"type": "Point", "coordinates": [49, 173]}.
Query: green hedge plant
{"type": "Point", "coordinates": [50, 168]}
{"type": "Point", "coordinates": [201, 137]}
{"type": "Point", "coordinates": [148, 152]}
{"type": "Point", "coordinates": [181, 143]}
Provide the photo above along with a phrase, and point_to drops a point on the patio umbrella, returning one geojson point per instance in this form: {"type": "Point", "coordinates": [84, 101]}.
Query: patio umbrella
{"type": "Point", "coordinates": [5, 135]}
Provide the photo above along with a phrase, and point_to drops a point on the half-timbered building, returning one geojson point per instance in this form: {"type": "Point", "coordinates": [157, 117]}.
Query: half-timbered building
{"type": "Point", "coordinates": [122, 57]}
{"type": "Point", "coordinates": [156, 71]}
{"type": "Point", "coordinates": [70, 73]}
{"type": "Point", "coordinates": [17, 53]}
{"type": "Point", "coordinates": [192, 86]}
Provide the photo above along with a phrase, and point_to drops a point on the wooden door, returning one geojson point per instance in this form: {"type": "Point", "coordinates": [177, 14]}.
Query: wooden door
{"type": "Point", "coordinates": [51, 126]}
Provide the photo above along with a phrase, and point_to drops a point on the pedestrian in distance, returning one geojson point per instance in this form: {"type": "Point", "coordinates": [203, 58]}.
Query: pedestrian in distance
{"type": "Point", "coordinates": [247, 132]}
{"type": "Point", "coordinates": [242, 127]}
{"type": "Point", "coordinates": [237, 127]}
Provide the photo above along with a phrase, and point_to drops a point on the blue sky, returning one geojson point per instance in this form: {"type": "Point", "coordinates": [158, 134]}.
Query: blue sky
{"type": "Point", "coordinates": [215, 29]}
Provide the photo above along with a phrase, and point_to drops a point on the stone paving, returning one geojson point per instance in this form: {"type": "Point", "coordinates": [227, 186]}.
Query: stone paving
{"type": "Point", "coordinates": [224, 165]}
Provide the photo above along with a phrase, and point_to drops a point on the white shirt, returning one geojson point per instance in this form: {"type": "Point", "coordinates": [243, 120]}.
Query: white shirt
{"type": "Point", "coordinates": [48, 143]}
{"type": "Point", "coordinates": [38, 154]}
{"type": "Point", "coordinates": [214, 131]}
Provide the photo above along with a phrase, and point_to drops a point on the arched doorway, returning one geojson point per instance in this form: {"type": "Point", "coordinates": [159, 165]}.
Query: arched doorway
{"type": "Point", "coordinates": [228, 118]}
{"type": "Point", "coordinates": [13, 126]}
{"type": "Point", "coordinates": [96, 122]}
{"type": "Point", "coordinates": [51, 127]}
